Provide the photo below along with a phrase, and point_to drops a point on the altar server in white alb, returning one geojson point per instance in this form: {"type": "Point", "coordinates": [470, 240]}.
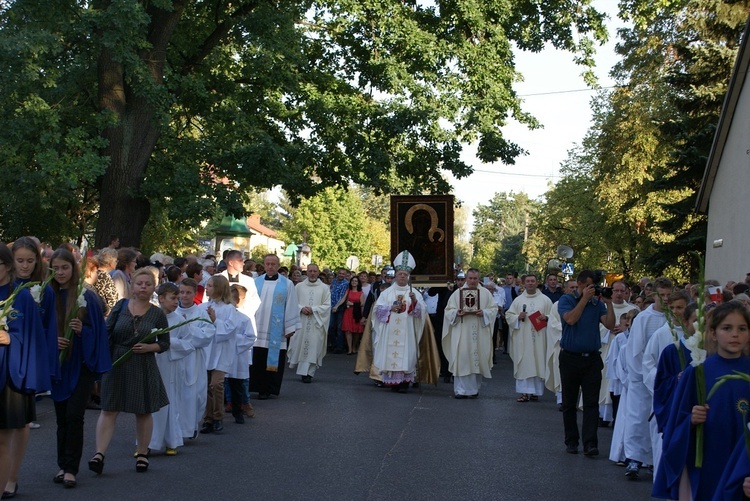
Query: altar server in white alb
{"type": "Point", "coordinates": [398, 323]}
{"type": "Point", "coordinates": [308, 345]}
{"type": "Point", "coordinates": [167, 434]}
{"type": "Point", "coordinates": [467, 335]}
{"type": "Point", "coordinates": [637, 432]}
{"type": "Point", "coordinates": [527, 320]}
{"type": "Point", "coordinates": [197, 337]}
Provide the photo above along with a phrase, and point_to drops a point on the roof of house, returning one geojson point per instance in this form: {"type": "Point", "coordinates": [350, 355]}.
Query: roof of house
{"type": "Point", "coordinates": [253, 222]}
{"type": "Point", "coordinates": [736, 84]}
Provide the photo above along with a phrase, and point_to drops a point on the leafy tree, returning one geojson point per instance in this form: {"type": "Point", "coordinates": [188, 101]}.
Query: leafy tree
{"type": "Point", "coordinates": [337, 227]}
{"type": "Point", "coordinates": [109, 104]}
{"type": "Point", "coordinates": [497, 228]}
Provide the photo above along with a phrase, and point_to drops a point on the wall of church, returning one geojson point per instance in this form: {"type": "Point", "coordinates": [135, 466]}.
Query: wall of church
{"type": "Point", "coordinates": [728, 235]}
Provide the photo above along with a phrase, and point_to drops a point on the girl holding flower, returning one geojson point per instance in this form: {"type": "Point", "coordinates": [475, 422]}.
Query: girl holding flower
{"type": "Point", "coordinates": [23, 362]}
{"type": "Point", "coordinates": [29, 267]}
{"type": "Point", "coordinates": [135, 386]}
{"type": "Point", "coordinates": [723, 416]}
{"type": "Point", "coordinates": [86, 359]}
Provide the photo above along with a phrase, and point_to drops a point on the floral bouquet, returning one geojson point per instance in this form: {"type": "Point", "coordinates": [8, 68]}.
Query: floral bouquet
{"type": "Point", "coordinates": [80, 303]}
{"type": "Point", "coordinates": [152, 335]}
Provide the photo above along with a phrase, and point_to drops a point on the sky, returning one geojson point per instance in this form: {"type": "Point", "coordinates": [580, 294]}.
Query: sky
{"type": "Point", "coordinates": [555, 93]}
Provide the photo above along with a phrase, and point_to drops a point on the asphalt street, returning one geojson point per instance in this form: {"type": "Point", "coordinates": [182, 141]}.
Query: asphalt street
{"type": "Point", "coordinates": [342, 438]}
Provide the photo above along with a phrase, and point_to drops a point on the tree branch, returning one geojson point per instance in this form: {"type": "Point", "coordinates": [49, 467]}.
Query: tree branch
{"type": "Point", "coordinates": [215, 38]}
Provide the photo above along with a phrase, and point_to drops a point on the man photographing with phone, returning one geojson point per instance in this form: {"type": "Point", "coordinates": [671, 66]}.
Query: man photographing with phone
{"type": "Point", "coordinates": [580, 360]}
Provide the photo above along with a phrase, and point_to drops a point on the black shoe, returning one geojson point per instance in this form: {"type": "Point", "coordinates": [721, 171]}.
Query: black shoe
{"type": "Point", "coordinates": [207, 427]}
{"type": "Point", "coordinates": [591, 452]}
{"type": "Point", "coordinates": [460, 397]}
{"type": "Point", "coordinates": [239, 419]}
{"type": "Point", "coordinates": [415, 385]}
{"type": "Point", "coordinates": [10, 494]}
{"type": "Point", "coordinates": [603, 423]}
{"type": "Point", "coordinates": [476, 395]}
{"type": "Point", "coordinates": [141, 463]}
{"type": "Point", "coordinates": [263, 396]}
{"type": "Point", "coordinates": [559, 407]}
{"type": "Point", "coordinates": [96, 463]}
{"type": "Point", "coordinates": [572, 449]}
{"type": "Point", "coordinates": [218, 425]}
{"type": "Point", "coordinates": [379, 384]}
{"type": "Point", "coordinates": [307, 379]}
{"type": "Point", "coordinates": [446, 379]}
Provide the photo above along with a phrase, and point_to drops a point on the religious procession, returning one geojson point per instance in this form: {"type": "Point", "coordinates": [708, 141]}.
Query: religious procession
{"type": "Point", "coordinates": [185, 343]}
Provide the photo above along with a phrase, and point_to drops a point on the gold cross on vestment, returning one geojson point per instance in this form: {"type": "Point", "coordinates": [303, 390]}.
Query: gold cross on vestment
{"type": "Point", "coordinates": [394, 354]}
{"type": "Point", "coordinates": [396, 332]}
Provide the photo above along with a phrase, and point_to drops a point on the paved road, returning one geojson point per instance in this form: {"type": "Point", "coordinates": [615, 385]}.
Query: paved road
{"type": "Point", "coordinates": [343, 438]}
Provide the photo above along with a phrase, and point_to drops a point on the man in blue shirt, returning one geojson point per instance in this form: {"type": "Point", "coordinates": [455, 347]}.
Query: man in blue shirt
{"type": "Point", "coordinates": [339, 287]}
{"type": "Point", "coordinates": [581, 362]}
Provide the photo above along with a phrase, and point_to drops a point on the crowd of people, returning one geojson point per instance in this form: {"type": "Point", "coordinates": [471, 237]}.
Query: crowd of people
{"type": "Point", "coordinates": [183, 342]}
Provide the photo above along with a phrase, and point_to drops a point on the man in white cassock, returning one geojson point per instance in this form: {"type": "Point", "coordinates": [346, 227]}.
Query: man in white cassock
{"type": "Point", "coordinates": [234, 274]}
{"type": "Point", "coordinates": [308, 345]}
{"type": "Point", "coordinates": [637, 442]}
{"type": "Point", "coordinates": [197, 337]}
{"type": "Point", "coordinates": [554, 335]}
{"type": "Point", "coordinates": [528, 344]}
{"type": "Point", "coordinates": [277, 319]}
{"type": "Point", "coordinates": [397, 324]}
{"type": "Point", "coordinates": [467, 335]}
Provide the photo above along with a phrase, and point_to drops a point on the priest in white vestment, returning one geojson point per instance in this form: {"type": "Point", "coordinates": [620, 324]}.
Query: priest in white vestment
{"type": "Point", "coordinates": [528, 344]}
{"type": "Point", "coordinates": [398, 322]}
{"type": "Point", "coordinates": [308, 345]}
{"type": "Point", "coordinates": [277, 320]}
{"type": "Point", "coordinates": [467, 335]}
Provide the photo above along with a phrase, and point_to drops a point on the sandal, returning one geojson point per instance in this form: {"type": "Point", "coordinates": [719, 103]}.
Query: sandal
{"type": "Point", "coordinates": [141, 463]}
{"type": "Point", "coordinates": [523, 398]}
{"type": "Point", "coordinates": [58, 479]}
{"type": "Point", "coordinates": [96, 463]}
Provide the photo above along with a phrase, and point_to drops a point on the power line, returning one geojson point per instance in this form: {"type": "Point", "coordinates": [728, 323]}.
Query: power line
{"type": "Point", "coordinates": [566, 91]}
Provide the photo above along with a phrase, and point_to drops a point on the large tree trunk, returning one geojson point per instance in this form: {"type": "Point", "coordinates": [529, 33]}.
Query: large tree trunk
{"type": "Point", "coordinates": [133, 139]}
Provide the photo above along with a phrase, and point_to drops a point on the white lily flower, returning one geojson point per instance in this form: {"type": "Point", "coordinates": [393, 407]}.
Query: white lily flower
{"type": "Point", "coordinates": [81, 300]}
{"type": "Point", "coordinates": [692, 342]}
{"type": "Point", "coordinates": [36, 293]}
{"type": "Point", "coordinates": [699, 356]}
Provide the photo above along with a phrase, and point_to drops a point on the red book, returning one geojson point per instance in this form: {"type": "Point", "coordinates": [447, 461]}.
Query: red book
{"type": "Point", "coordinates": [536, 320]}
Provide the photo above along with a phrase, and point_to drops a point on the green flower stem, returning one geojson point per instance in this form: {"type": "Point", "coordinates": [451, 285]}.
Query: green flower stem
{"type": "Point", "coordinates": [152, 335]}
